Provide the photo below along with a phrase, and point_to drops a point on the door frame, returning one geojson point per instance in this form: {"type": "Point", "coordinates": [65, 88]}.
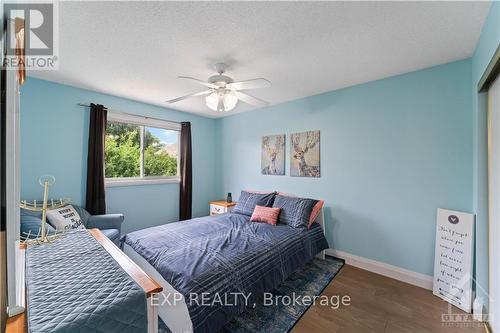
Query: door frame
{"type": "Point", "coordinates": [491, 77]}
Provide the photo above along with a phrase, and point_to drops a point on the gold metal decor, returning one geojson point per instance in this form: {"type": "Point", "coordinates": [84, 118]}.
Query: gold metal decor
{"type": "Point", "coordinates": [43, 236]}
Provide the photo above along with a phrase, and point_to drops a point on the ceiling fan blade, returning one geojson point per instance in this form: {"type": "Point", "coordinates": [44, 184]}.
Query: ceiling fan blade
{"type": "Point", "coordinates": [201, 93]}
{"type": "Point", "coordinates": [206, 84]}
{"type": "Point", "coordinates": [249, 84]}
{"type": "Point", "coordinates": [250, 99]}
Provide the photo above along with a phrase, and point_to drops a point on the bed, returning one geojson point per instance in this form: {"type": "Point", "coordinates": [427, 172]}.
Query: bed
{"type": "Point", "coordinates": [225, 261]}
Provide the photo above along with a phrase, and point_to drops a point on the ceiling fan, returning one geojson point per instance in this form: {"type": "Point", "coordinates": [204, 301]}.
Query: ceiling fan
{"type": "Point", "coordinates": [223, 93]}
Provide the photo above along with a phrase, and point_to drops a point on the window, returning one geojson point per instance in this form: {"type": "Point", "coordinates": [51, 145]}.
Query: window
{"type": "Point", "coordinates": [140, 150]}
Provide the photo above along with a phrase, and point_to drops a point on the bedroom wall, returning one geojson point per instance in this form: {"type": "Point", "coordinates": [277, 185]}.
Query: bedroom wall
{"type": "Point", "coordinates": [392, 152]}
{"type": "Point", "coordinates": [489, 41]}
{"type": "Point", "coordinates": [54, 135]}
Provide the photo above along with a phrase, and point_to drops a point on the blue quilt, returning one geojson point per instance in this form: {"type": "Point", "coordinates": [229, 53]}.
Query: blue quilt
{"type": "Point", "coordinates": [225, 262]}
{"type": "Point", "coordinates": [74, 285]}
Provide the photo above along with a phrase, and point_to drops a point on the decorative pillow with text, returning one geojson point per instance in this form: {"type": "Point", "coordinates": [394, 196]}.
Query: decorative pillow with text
{"type": "Point", "coordinates": [64, 218]}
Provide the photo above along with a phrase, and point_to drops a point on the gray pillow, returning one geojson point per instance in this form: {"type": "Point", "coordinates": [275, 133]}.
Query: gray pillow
{"type": "Point", "coordinates": [248, 200]}
{"type": "Point", "coordinates": [295, 212]}
{"type": "Point", "coordinates": [31, 224]}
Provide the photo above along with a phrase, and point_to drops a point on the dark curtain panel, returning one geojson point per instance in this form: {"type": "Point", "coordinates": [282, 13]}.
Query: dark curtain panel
{"type": "Point", "coordinates": [186, 170]}
{"type": "Point", "coordinates": [96, 201]}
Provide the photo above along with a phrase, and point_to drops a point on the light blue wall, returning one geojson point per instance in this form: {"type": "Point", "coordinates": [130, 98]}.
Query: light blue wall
{"type": "Point", "coordinates": [54, 136]}
{"type": "Point", "coordinates": [392, 152]}
{"type": "Point", "coordinates": [486, 47]}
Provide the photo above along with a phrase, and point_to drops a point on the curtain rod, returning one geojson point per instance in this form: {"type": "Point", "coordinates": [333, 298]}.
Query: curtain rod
{"type": "Point", "coordinates": [131, 114]}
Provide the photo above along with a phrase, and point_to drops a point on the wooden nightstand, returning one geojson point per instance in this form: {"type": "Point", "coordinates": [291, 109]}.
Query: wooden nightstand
{"type": "Point", "coordinates": [221, 207]}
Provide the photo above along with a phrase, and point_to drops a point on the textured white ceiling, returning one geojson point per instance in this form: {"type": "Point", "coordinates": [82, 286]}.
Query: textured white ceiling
{"type": "Point", "coordinates": [137, 49]}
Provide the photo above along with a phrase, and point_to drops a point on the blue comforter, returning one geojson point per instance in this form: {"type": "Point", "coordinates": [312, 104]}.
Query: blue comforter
{"type": "Point", "coordinates": [73, 285]}
{"type": "Point", "coordinates": [225, 257]}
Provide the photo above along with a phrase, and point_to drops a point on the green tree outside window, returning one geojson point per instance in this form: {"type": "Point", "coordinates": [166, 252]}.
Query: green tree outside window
{"type": "Point", "coordinates": [123, 152]}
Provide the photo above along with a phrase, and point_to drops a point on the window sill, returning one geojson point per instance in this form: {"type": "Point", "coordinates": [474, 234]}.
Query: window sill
{"type": "Point", "coordinates": [138, 182]}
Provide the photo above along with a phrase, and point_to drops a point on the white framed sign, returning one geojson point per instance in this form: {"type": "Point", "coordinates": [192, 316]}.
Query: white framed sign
{"type": "Point", "coordinates": [453, 258]}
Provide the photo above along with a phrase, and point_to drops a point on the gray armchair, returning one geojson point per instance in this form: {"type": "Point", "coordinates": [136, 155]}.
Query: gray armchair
{"type": "Point", "coordinates": [109, 224]}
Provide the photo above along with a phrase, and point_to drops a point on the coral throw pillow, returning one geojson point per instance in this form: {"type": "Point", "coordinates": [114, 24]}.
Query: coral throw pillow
{"type": "Point", "coordinates": [268, 215]}
{"type": "Point", "coordinates": [315, 211]}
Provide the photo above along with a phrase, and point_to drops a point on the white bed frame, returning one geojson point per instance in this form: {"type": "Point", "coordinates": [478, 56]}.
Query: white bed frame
{"type": "Point", "coordinates": [175, 314]}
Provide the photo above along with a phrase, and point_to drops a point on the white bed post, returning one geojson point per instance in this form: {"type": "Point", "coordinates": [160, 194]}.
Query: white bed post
{"type": "Point", "coordinates": [321, 221]}
{"type": "Point", "coordinates": [152, 309]}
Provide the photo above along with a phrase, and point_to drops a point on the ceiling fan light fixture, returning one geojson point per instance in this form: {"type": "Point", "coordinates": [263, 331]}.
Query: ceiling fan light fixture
{"type": "Point", "coordinates": [212, 100]}
{"type": "Point", "coordinates": [229, 101]}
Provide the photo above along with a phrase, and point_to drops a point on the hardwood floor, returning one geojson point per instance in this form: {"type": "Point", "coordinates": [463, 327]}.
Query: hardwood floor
{"type": "Point", "coordinates": [380, 304]}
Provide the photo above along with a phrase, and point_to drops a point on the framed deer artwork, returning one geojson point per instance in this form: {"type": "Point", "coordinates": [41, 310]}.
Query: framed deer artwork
{"type": "Point", "coordinates": [273, 155]}
{"type": "Point", "coordinates": [304, 154]}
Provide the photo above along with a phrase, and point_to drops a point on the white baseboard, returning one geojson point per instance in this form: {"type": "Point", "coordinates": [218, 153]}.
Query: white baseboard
{"type": "Point", "coordinates": [398, 273]}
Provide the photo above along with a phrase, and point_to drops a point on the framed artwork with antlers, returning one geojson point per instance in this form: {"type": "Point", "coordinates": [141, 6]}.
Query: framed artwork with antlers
{"type": "Point", "coordinates": [304, 154]}
{"type": "Point", "coordinates": [273, 155]}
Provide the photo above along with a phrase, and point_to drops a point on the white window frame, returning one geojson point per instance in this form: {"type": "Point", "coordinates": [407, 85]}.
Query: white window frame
{"type": "Point", "coordinates": [147, 122]}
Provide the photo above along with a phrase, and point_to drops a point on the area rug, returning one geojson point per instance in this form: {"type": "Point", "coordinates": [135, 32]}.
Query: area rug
{"type": "Point", "coordinates": [309, 280]}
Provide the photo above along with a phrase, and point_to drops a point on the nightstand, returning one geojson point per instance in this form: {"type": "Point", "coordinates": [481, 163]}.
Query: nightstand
{"type": "Point", "coordinates": [221, 207]}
